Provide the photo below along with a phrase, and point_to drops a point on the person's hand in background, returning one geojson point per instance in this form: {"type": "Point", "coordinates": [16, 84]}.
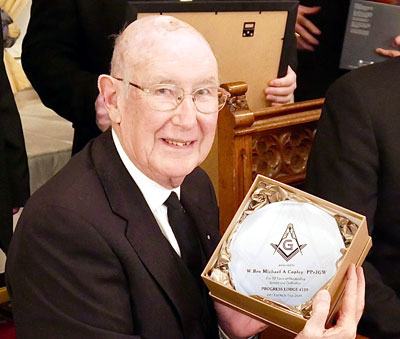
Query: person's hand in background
{"type": "Point", "coordinates": [391, 52]}
{"type": "Point", "coordinates": [306, 31]}
{"type": "Point", "coordinates": [280, 90]}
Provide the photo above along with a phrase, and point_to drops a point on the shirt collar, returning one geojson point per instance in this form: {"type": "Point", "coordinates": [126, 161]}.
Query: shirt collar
{"type": "Point", "coordinates": [154, 194]}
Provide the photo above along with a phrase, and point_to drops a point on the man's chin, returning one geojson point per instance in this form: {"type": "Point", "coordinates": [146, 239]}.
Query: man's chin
{"type": "Point", "coordinates": [182, 172]}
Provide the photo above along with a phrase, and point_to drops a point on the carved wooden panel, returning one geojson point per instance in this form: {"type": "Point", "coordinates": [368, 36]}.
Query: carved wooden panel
{"type": "Point", "coordinates": [274, 141]}
{"type": "Point", "coordinates": [283, 155]}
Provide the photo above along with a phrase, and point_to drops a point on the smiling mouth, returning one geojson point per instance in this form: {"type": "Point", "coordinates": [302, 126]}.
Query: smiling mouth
{"type": "Point", "coordinates": [177, 143]}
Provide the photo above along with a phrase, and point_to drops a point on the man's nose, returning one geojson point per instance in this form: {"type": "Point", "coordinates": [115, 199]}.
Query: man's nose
{"type": "Point", "coordinates": [185, 114]}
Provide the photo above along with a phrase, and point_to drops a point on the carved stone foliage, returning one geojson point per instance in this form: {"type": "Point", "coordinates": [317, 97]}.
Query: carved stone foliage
{"type": "Point", "coordinates": [282, 154]}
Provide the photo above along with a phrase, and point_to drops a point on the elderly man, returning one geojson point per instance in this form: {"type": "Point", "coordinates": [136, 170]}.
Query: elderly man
{"type": "Point", "coordinates": [97, 253]}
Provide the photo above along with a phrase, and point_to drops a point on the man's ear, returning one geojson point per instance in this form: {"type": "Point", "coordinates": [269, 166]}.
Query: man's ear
{"type": "Point", "coordinates": [108, 89]}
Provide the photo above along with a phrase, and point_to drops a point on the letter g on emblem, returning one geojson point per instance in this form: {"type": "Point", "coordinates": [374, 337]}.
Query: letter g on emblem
{"type": "Point", "coordinates": [287, 244]}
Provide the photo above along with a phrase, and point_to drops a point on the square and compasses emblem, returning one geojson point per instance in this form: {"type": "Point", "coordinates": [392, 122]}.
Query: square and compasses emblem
{"type": "Point", "coordinates": [289, 245]}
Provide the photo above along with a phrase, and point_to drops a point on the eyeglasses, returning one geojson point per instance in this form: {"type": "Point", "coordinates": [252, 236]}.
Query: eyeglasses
{"type": "Point", "coordinates": [167, 97]}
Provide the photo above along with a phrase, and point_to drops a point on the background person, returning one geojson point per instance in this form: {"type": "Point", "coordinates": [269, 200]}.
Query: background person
{"type": "Point", "coordinates": [321, 26]}
{"type": "Point", "coordinates": [354, 162]}
{"type": "Point", "coordinates": [14, 174]}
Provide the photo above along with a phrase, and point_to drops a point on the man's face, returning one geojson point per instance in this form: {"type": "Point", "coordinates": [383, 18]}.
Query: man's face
{"type": "Point", "coordinates": [167, 146]}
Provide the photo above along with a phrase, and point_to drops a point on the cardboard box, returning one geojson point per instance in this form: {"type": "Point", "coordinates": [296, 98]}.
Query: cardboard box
{"type": "Point", "coordinates": [273, 314]}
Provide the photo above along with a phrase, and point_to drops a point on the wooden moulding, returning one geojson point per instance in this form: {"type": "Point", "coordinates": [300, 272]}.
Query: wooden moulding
{"type": "Point", "coordinates": [269, 117]}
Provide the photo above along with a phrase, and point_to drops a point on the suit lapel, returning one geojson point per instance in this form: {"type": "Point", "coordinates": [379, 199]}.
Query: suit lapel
{"type": "Point", "coordinates": [204, 215]}
{"type": "Point", "coordinates": [143, 232]}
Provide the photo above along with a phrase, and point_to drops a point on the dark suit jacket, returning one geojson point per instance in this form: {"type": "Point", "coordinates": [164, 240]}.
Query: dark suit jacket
{"type": "Point", "coordinates": [355, 162]}
{"type": "Point", "coordinates": [88, 259]}
{"type": "Point", "coordinates": [14, 175]}
{"type": "Point", "coordinates": [317, 70]}
{"type": "Point", "coordinates": [67, 45]}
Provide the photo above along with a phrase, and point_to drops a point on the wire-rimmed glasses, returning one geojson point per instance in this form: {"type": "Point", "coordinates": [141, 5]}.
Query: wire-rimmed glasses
{"type": "Point", "coordinates": [167, 97]}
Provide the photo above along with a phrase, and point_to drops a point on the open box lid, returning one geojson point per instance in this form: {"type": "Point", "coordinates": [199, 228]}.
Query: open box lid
{"type": "Point", "coordinates": [252, 40]}
{"type": "Point", "coordinates": [275, 315]}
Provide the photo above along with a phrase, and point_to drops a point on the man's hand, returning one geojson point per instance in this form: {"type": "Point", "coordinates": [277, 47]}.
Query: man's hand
{"type": "Point", "coordinates": [235, 324]}
{"type": "Point", "coordinates": [391, 52]}
{"type": "Point", "coordinates": [305, 29]}
{"type": "Point", "coordinates": [102, 118]}
{"type": "Point", "coordinates": [280, 91]}
{"type": "Point", "coordinates": [349, 315]}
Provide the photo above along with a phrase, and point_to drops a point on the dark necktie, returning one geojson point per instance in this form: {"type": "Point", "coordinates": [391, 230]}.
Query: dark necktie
{"type": "Point", "coordinates": [185, 233]}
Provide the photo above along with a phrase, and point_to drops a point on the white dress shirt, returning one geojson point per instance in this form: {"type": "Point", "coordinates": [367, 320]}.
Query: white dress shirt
{"type": "Point", "coordinates": [154, 194]}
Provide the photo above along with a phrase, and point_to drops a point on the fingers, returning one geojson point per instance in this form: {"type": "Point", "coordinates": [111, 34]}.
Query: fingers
{"type": "Point", "coordinates": [388, 52]}
{"type": "Point", "coordinates": [352, 306]}
{"type": "Point", "coordinates": [315, 326]}
{"type": "Point", "coordinates": [306, 36]}
{"type": "Point", "coordinates": [279, 99]}
{"type": "Point", "coordinates": [288, 80]}
{"type": "Point", "coordinates": [320, 307]}
{"type": "Point", "coordinates": [360, 293]}
{"type": "Point", "coordinates": [308, 10]}
{"type": "Point", "coordinates": [349, 314]}
{"type": "Point", "coordinates": [303, 45]}
{"type": "Point", "coordinates": [307, 24]}
{"type": "Point", "coordinates": [391, 53]}
{"type": "Point", "coordinates": [348, 311]}
{"type": "Point", "coordinates": [396, 41]}
{"type": "Point", "coordinates": [306, 29]}
{"type": "Point", "coordinates": [280, 91]}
